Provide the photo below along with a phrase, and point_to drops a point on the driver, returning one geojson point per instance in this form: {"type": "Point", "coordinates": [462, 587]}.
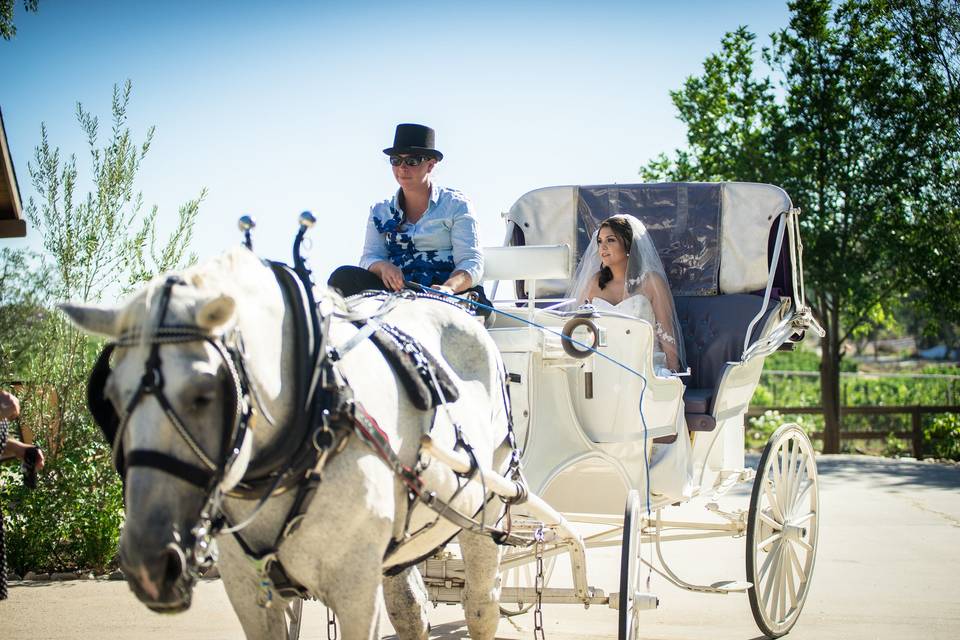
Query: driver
{"type": "Point", "coordinates": [425, 234]}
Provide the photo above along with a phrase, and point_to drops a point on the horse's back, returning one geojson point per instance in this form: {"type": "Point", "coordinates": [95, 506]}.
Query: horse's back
{"type": "Point", "coordinates": [461, 345]}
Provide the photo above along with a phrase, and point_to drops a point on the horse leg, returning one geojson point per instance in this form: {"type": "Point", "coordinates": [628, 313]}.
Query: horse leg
{"type": "Point", "coordinates": [357, 599]}
{"type": "Point", "coordinates": [406, 598]}
{"type": "Point", "coordinates": [242, 585]}
{"type": "Point", "coordinates": [481, 595]}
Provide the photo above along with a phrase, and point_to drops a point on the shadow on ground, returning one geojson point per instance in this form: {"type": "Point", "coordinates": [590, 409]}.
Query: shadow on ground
{"type": "Point", "coordinates": [891, 472]}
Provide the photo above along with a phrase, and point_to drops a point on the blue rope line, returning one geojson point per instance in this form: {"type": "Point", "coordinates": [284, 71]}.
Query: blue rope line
{"type": "Point", "coordinates": [643, 420]}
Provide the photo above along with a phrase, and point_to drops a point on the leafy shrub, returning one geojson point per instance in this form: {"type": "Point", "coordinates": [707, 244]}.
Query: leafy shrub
{"type": "Point", "coordinates": [71, 520]}
{"type": "Point", "coordinates": [761, 427]}
{"type": "Point", "coordinates": [895, 447]}
{"type": "Point", "coordinates": [97, 244]}
{"type": "Point", "coordinates": [941, 439]}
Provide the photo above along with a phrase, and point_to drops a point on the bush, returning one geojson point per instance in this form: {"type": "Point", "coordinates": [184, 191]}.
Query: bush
{"type": "Point", "coordinates": [71, 520]}
{"type": "Point", "coordinates": [761, 427]}
{"type": "Point", "coordinates": [98, 244]}
{"type": "Point", "coordinates": [942, 438]}
{"type": "Point", "coordinates": [895, 447]}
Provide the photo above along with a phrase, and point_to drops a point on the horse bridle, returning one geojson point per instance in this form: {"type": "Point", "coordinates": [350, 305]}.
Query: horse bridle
{"type": "Point", "coordinates": [237, 442]}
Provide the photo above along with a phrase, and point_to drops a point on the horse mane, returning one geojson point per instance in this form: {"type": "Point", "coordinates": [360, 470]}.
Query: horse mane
{"type": "Point", "coordinates": [215, 276]}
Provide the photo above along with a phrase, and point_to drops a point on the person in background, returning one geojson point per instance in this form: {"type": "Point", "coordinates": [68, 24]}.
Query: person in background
{"type": "Point", "coordinates": [425, 234]}
{"type": "Point", "coordinates": [10, 410]}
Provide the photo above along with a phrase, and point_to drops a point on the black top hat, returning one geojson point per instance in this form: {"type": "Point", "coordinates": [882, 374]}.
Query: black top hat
{"type": "Point", "coordinates": [414, 138]}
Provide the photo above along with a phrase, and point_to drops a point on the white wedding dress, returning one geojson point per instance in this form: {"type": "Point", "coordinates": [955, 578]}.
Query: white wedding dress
{"type": "Point", "coordinates": [638, 306]}
{"type": "Point", "coordinates": [671, 470]}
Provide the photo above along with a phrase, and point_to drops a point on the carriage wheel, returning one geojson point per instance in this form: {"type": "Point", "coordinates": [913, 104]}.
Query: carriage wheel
{"type": "Point", "coordinates": [294, 615]}
{"type": "Point", "coordinates": [524, 576]}
{"type": "Point", "coordinates": [628, 622]}
{"type": "Point", "coordinates": [782, 530]}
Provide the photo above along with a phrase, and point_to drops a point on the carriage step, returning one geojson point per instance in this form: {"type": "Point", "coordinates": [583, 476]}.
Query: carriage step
{"type": "Point", "coordinates": [732, 586]}
{"type": "Point", "coordinates": [641, 601]}
{"type": "Point", "coordinates": [731, 478]}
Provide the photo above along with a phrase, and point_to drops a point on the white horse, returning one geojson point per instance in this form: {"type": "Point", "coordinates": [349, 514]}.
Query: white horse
{"type": "Point", "coordinates": [338, 552]}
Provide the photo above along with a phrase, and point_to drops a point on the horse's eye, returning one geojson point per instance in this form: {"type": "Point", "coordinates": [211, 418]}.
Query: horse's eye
{"type": "Point", "coordinates": [202, 401]}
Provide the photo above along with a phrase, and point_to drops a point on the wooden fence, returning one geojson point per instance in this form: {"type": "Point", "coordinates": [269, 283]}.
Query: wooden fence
{"type": "Point", "coordinates": [915, 435]}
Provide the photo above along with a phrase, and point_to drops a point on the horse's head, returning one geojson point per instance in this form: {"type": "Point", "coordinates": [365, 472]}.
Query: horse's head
{"type": "Point", "coordinates": [172, 398]}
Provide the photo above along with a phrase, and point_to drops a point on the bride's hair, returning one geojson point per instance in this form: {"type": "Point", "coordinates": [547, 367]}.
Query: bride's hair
{"type": "Point", "coordinates": [622, 229]}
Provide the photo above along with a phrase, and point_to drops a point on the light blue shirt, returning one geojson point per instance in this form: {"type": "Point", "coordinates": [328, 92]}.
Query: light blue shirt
{"type": "Point", "coordinates": [442, 241]}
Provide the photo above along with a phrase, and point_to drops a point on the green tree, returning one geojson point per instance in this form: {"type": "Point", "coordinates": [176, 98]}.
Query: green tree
{"type": "Point", "coordinates": [101, 243]}
{"type": "Point", "coordinates": [735, 127]}
{"type": "Point", "coordinates": [7, 29]}
{"type": "Point", "coordinates": [865, 136]}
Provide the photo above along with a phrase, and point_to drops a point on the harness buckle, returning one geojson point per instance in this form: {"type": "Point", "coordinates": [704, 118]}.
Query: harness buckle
{"type": "Point", "coordinates": [265, 587]}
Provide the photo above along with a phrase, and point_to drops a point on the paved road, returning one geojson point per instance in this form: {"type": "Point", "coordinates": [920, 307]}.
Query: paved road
{"type": "Point", "coordinates": [886, 566]}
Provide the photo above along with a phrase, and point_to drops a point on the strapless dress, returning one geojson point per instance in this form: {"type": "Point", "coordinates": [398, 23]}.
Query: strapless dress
{"type": "Point", "coordinates": [639, 307]}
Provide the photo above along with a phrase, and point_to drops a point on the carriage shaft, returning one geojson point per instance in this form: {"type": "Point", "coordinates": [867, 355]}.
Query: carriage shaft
{"type": "Point", "coordinates": [522, 595]}
{"type": "Point", "coordinates": [733, 527]}
{"type": "Point", "coordinates": [505, 488]}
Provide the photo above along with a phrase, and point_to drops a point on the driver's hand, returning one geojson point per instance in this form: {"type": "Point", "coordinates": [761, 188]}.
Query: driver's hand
{"type": "Point", "coordinates": [442, 287]}
{"type": "Point", "coordinates": [391, 275]}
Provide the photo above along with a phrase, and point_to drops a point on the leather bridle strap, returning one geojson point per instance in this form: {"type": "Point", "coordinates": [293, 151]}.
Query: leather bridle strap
{"type": "Point", "coordinates": [152, 383]}
{"type": "Point", "coordinates": [197, 476]}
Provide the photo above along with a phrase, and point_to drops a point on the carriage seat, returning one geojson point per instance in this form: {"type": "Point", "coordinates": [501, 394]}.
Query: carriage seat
{"type": "Point", "coordinates": [713, 330]}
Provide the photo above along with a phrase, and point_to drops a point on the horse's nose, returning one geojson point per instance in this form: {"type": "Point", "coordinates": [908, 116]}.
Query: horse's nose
{"type": "Point", "coordinates": [172, 564]}
{"type": "Point", "coordinates": [158, 576]}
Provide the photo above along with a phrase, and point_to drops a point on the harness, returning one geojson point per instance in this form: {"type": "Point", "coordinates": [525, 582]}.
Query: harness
{"type": "Point", "coordinates": [326, 415]}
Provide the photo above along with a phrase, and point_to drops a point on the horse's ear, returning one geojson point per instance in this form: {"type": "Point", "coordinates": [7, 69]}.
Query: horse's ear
{"type": "Point", "coordinates": [92, 319]}
{"type": "Point", "coordinates": [216, 312]}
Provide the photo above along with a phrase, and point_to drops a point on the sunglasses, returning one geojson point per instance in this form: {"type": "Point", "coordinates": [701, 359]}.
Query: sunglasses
{"type": "Point", "coordinates": [410, 161]}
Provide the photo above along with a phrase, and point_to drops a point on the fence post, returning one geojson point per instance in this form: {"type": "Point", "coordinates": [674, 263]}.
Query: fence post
{"type": "Point", "coordinates": [917, 432]}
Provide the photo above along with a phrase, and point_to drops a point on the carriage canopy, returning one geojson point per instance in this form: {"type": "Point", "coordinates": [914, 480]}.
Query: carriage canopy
{"type": "Point", "coordinates": [713, 238]}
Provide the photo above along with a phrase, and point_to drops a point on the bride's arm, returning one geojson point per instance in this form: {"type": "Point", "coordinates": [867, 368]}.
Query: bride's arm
{"type": "Point", "coordinates": [657, 292]}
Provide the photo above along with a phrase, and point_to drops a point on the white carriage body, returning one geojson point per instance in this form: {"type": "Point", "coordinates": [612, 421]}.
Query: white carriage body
{"type": "Point", "coordinates": [584, 451]}
{"type": "Point", "coordinates": [587, 422]}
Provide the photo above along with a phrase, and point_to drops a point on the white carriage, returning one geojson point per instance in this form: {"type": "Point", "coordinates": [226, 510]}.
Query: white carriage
{"type": "Point", "coordinates": [587, 421]}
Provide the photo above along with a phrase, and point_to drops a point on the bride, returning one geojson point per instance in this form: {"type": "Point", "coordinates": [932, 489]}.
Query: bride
{"type": "Point", "coordinates": [621, 271]}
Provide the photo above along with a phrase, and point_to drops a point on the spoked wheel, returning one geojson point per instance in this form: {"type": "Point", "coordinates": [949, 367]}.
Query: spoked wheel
{"type": "Point", "coordinates": [294, 615]}
{"type": "Point", "coordinates": [524, 577]}
{"type": "Point", "coordinates": [782, 530]}
{"type": "Point", "coordinates": [628, 626]}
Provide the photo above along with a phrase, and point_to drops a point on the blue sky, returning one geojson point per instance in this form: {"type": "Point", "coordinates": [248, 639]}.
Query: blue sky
{"type": "Point", "coordinates": [277, 107]}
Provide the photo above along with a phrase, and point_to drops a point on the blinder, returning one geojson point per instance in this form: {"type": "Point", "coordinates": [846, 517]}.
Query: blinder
{"type": "Point", "coordinates": [104, 415]}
